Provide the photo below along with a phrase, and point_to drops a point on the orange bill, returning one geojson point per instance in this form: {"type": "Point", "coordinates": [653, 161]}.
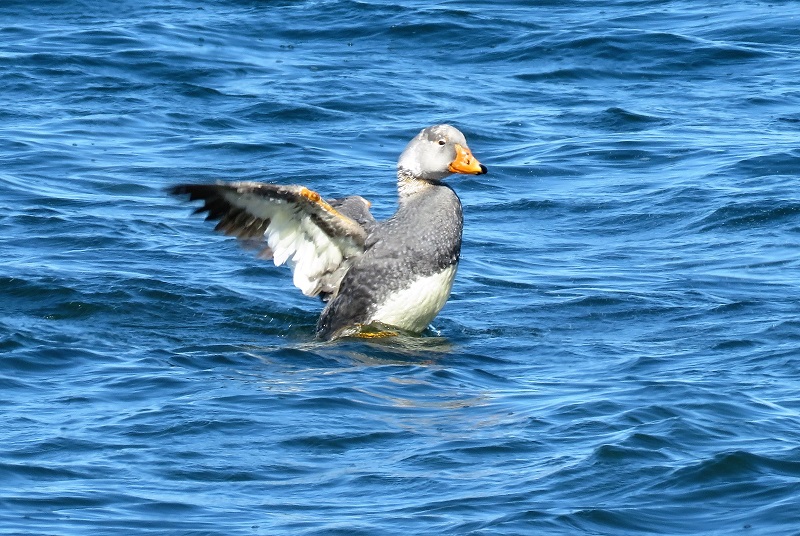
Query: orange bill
{"type": "Point", "coordinates": [466, 163]}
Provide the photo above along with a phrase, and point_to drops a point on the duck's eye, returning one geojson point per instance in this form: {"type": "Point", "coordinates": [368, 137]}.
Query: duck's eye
{"type": "Point", "coordinates": [442, 142]}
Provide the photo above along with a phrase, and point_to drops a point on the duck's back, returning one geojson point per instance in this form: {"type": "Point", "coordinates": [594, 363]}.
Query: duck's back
{"type": "Point", "coordinates": [406, 273]}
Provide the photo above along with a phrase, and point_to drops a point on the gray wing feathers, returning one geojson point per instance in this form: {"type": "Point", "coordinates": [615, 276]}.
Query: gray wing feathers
{"type": "Point", "coordinates": [291, 224]}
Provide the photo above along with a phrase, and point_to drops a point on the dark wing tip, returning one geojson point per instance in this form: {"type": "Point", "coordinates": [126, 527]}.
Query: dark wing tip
{"type": "Point", "coordinates": [194, 191]}
{"type": "Point", "coordinates": [233, 220]}
{"type": "Point", "coordinates": [180, 189]}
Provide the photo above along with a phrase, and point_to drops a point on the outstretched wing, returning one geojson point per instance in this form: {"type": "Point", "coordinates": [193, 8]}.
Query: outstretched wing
{"type": "Point", "coordinates": [293, 225]}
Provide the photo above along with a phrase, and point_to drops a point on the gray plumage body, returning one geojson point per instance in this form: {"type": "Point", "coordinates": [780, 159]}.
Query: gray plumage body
{"type": "Point", "coordinates": [421, 239]}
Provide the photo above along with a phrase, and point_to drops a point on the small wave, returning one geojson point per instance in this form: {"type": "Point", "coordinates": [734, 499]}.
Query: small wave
{"type": "Point", "coordinates": [621, 120]}
{"type": "Point", "coordinates": [729, 468]}
{"type": "Point", "coordinates": [750, 215]}
{"type": "Point", "coordinates": [776, 164]}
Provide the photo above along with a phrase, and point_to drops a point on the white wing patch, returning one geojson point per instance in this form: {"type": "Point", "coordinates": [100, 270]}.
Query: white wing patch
{"type": "Point", "coordinates": [300, 229]}
{"type": "Point", "coordinates": [294, 239]}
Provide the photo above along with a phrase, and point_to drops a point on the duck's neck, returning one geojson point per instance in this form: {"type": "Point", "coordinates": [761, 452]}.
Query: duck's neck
{"type": "Point", "coordinates": [410, 186]}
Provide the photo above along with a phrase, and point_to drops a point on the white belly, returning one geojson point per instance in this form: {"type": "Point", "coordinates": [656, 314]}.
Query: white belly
{"type": "Point", "coordinates": [413, 307]}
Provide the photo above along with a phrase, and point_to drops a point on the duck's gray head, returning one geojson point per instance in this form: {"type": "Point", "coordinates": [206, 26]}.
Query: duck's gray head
{"type": "Point", "coordinates": [437, 152]}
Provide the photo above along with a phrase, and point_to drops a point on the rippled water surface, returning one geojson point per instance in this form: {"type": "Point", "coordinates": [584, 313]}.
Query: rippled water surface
{"type": "Point", "coordinates": [620, 352]}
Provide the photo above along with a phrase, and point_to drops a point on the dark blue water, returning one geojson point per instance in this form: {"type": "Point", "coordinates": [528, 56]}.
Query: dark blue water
{"type": "Point", "coordinates": [620, 353]}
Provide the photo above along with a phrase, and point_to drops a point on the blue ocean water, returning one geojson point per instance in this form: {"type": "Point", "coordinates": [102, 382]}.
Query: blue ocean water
{"type": "Point", "coordinates": [620, 353]}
